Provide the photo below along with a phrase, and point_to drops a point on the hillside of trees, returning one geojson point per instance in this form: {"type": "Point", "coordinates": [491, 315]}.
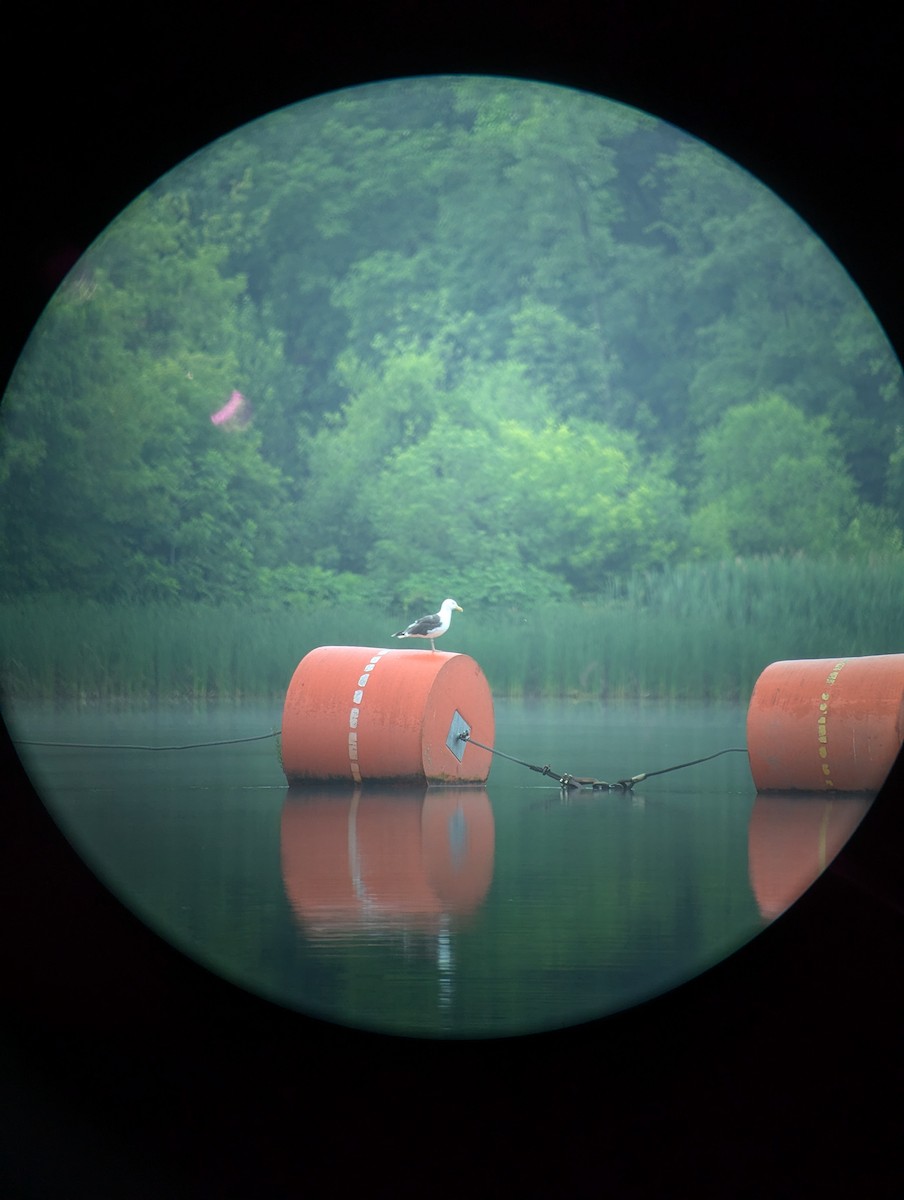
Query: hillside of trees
{"type": "Point", "coordinates": [491, 339]}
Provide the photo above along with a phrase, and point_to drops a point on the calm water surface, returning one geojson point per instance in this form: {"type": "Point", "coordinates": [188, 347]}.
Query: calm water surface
{"type": "Point", "coordinates": [443, 911]}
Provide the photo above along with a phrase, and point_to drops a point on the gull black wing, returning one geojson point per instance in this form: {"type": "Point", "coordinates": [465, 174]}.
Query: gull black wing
{"type": "Point", "coordinates": [425, 624]}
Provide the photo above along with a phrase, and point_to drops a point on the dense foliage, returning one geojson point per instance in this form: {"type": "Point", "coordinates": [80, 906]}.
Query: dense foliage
{"type": "Point", "coordinates": [496, 340]}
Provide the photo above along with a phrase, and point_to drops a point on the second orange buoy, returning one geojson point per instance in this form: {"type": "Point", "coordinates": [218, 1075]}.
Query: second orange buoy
{"type": "Point", "coordinates": [826, 723]}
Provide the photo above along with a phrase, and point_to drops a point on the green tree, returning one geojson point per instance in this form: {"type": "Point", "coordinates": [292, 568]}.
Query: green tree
{"type": "Point", "coordinates": [119, 483]}
{"type": "Point", "coordinates": [589, 504]}
{"type": "Point", "coordinates": [431, 290]}
{"type": "Point", "coordinates": [444, 516]}
{"type": "Point", "coordinates": [749, 301]}
{"type": "Point", "coordinates": [387, 411]}
{"type": "Point", "coordinates": [569, 361]}
{"type": "Point", "coordinates": [518, 512]}
{"type": "Point", "coordinates": [775, 481]}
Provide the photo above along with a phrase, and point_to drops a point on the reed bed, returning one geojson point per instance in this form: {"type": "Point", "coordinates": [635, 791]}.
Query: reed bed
{"type": "Point", "coordinates": [694, 631]}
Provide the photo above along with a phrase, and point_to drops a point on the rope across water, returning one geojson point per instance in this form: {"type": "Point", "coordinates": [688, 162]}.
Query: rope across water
{"type": "Point", "coordinates": [258, 737]}
{"type": "Point", "coordinates": [565, 781]}
{"type": "Point", "coordinates": [600, 785]}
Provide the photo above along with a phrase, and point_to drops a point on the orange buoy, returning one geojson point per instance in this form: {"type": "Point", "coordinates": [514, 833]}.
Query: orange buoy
{"type": "Point", "coordinates": [826, 724]}
{"type": "Point", "coordinates": [359, 713]}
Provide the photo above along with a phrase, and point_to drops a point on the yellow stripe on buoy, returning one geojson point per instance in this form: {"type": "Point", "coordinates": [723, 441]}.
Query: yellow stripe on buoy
{"type": "Point", "coordinates": [826, 724]}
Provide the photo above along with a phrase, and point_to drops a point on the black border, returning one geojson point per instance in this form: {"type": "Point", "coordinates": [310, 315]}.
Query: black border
{"type": "Point", "coordinates": [129, 1071]}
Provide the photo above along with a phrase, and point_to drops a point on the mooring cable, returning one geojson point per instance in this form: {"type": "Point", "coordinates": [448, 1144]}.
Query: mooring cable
{"type": "Point", "coordinates": [466, 737]}
{"type": "Point", "coordinates": [665, 770]}
{"type": "Point", "coordinates": [258, 737]}
{"type": "Point", "coordinates": [564, 781]}
{"type": "Point", "coordinates": [599, 785]}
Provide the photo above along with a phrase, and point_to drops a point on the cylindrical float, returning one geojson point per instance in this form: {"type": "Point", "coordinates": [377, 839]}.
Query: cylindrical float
{"type": "Point", "coordinates": [826, 724]}
{"type": "Point", "coordinates": [360, 713]}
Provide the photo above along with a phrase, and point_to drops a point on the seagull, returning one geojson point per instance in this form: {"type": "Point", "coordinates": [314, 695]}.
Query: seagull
{"type": "Point", "coordinates": [433, 625]}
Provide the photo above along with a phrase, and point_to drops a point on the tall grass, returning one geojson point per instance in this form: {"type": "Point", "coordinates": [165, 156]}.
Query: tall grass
{"type": "Point", "coordinates": [60, 649]}
{"type": "Point", "coordinates": [703, 631]}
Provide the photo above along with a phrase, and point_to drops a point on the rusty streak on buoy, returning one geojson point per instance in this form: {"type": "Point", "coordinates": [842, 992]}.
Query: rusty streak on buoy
{"type": "Point", "coordinates": [361, 713]}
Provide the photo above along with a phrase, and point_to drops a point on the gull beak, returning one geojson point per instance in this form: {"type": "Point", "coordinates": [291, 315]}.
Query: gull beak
{"type": "Point", "coordinates": [458, 608]}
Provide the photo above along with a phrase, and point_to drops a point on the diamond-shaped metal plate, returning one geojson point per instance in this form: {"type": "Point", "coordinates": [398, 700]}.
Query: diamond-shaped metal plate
{"type": "Point", "coordinates": [453, 739]}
